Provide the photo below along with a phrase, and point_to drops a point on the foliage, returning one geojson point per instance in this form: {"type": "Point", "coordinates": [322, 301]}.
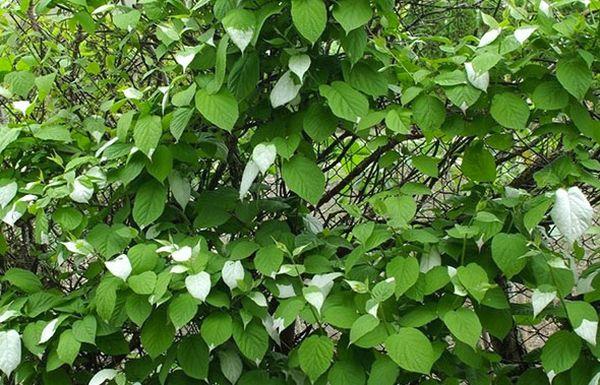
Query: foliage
{"type": "Point", "coordinates": [298, 192]}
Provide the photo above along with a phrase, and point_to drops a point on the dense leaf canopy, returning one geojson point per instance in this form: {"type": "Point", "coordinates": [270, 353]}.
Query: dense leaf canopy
{"type": "Point", "coordinates": [345, 192]}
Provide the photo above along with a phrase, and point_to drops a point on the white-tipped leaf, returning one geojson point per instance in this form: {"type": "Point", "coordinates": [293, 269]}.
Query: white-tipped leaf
{"type": "Point", "coordinates": [587, 331]}
{"type": "Point", "coordinates": [82, 190]}
{"type": "Point", "coordinates": [312, 224]}
{"type": "Point", "coordinates": [240, 25]}
{"type": "Point", "coordinates": [430, 260]}
{"type": "Point", "coordinates": [285, 90]}
{"type": "Point", "coordinates": [572, 213]}
{"type": "Point", "coordinates": [299, 64]}
{"type": "Point", "coordinates": [182, 254]}
{"type": "Point", "coordinates": [186, 56]}
{"type": "Point", "coordinates": [250, 173]}
{"type": "Point", "coordinates": [48, 331]}
{"type": "Point", "coordinates": [489, 37]}
{"type": "Point", "coordinates": [8, 190]}
{"type": "Point", "coordinates": [103, 376]}
{"type": "Point", "coordinates": [541, 299]}
{"type": "Point", "coordinates": [264, 155]}
{"type": "Point", "coordinates": [120, 267]}
{"type": "Point", "coordinates": [478, 80]}
{"type": "Point", "coordinates": [198, 285]}
{"type": "Point", "coordinates": [232, 272]}
{"type": "Point", "coordinates": [22, 106]}
{"type": "Point", "coordinates": [10, 351]}
{"type": "Point", "coordinates": [522, 33]}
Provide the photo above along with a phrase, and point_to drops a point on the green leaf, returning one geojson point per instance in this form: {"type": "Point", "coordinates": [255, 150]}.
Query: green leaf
{"type": "Point", "coordinates": [147, 133]}
{"type": "Point", "coordinates": [411, 350]}
{"type": "Point", "coordinates": [68, 347]}
{"type": "Point", "coordinates": [44, 84]}
{"type": "Point", "coordinates": [315, 355]}
{"type": "Point", "coordinates": [143, 283]}
{"type": "Point", "coordinates": [157, 334]}
{"type": "Point", "coordinates": [106, 297]}
{"type": "Point", "coordinates": [352, 14]}
{"type": "Point", "coordinates": [400, 210]}
{"type": "Point", "coordinates": [398, 121]}
{"type": "Point", "coordinates": [149, 203]}
{"type": "Point", "coordinates": [344, 101]}
{"type": "Point", "coordinates": [509, 110]}
{"type": "Point", "coordinates": [363, 325]}
{"type": "Point", "coordinates": [23, 279]}
{"type": "Point", "coordinates": [575, 75]}
{"type": "Point", "coordinates": [182, 310]}
{"type": "Point", "coordinates": [181, 118]}
{"type": "Point", "coordinates": [221, 61]}
{"type": "Point", "coordinates": [478, 164]}
{"type": "Point", "coordinates": [231, 365]}
{"type": "Point", "coordinates": [310, 18]}
{"type": "Point", "coordinates": [244, 75]}
{"type": "Point", "coordinates": [216, 329]}
{"type": "Point", "coordinates": [560, 352]}
{"type": "Point", "coordinates": [535, 215]}
{"type": "Point", "coordinates": [427, 165]}
{"type": "Point", "coordinates": [268, 259]}
{"type": "Point", "coordinates": [142, 257]}
{"type": "Point", "coordinates": [253, 341]}
{"type": "Point", "coordinates": [20, 82]}
{"type": "Point", "coordinates": [85, 330]}
{"type": "Point", "coordinates": [7, 136]}
{"type": "Point", "coordinates": [383, 372]}
{"type": "Point", "coordinates": [464, 325]}
{"type": "Point", "coordinates": [474, 279]}
{"type": "Point", "coordinates": [319, 122]}
{"type": "Point", "coordinates": [138, 309]}
{"type": "Point", "coordinates": [127, 20]}
{"type": "Point", "coordinates": [162, 163]}
{"type": "Point", "coordinates": [107, 240]}
{"type": "Point", "coordinates": [221, 109]}
{"type": "Point", "coordinates": [429, 113]}
{"type": "Point", "coordinates": [550, 95]}
{"type": "Point", "coordinates": [346, 373]}
{"type": "Point", "coordinates": [69, 218]}
{"type": "Point", "coordinates": [304, 177]}
{"type": "Point", "coordinates": [507, 252]}
{"type": "Point", "coordinates": [366, 78]}
{"type": "Point", "coordinates": [405, 272]}
{"type": "Point", "coordinates": [193, 357]}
